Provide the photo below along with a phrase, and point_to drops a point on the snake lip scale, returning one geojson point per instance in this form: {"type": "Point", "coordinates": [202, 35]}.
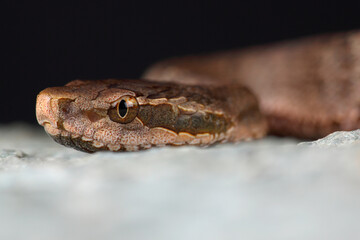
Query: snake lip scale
{"type": "Point", "coordinates": [304, 88]}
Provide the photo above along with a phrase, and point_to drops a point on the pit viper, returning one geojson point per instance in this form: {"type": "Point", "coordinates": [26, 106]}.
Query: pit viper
{"type": "Point", "coordinates": [305, 88]}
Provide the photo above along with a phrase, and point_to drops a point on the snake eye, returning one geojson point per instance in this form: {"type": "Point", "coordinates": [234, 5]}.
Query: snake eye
{"type": "Point", "coordinates": [127, 109]}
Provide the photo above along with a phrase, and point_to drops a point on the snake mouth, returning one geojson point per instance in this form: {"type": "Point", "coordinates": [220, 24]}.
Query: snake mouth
{"type": "Point", "coordinates": [77, 142]}
{"type": "Point", "coordinates": [86, 144]}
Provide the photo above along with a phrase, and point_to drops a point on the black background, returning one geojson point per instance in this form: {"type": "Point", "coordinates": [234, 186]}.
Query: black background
{"type": "Point", "coordinates": [48, 43]}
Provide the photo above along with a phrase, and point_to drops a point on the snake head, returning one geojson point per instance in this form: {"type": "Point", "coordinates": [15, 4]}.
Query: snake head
{"type": "Point", "coordinates": [129, 115]}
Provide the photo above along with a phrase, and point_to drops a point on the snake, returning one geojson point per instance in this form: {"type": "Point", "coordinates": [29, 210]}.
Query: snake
{"type": "Point", "coordinates": [304, 88]}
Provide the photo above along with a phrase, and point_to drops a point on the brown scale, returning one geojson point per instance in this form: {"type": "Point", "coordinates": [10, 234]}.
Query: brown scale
{"type": "Point", "coordinates": [307, 88]}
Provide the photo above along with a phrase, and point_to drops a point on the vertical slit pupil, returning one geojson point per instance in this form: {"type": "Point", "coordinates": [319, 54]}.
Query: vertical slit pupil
{"type": "Point", "coordinates": [122, 108]}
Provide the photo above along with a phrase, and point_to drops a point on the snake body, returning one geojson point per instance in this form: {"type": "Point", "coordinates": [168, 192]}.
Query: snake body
{"type": "Point", "coordinates": [304, 88]}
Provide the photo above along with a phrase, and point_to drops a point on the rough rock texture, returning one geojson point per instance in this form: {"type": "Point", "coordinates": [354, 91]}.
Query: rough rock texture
{"type": "Point", "coordinates": [336, 139]}
{"type": "Point", "coordinates": [268, 189]}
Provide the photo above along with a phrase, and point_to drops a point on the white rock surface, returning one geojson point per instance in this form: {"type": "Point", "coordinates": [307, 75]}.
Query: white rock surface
{"type": "Point", "coordinates": [269, 189]}
{"type": "Point", "coordinates": [336, 139]}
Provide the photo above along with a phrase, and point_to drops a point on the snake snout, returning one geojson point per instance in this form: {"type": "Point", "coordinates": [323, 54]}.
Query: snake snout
{"type": "Point", "coordinates": [51, 108]}
{"type": "Point", "coordinates": [44, 109]}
